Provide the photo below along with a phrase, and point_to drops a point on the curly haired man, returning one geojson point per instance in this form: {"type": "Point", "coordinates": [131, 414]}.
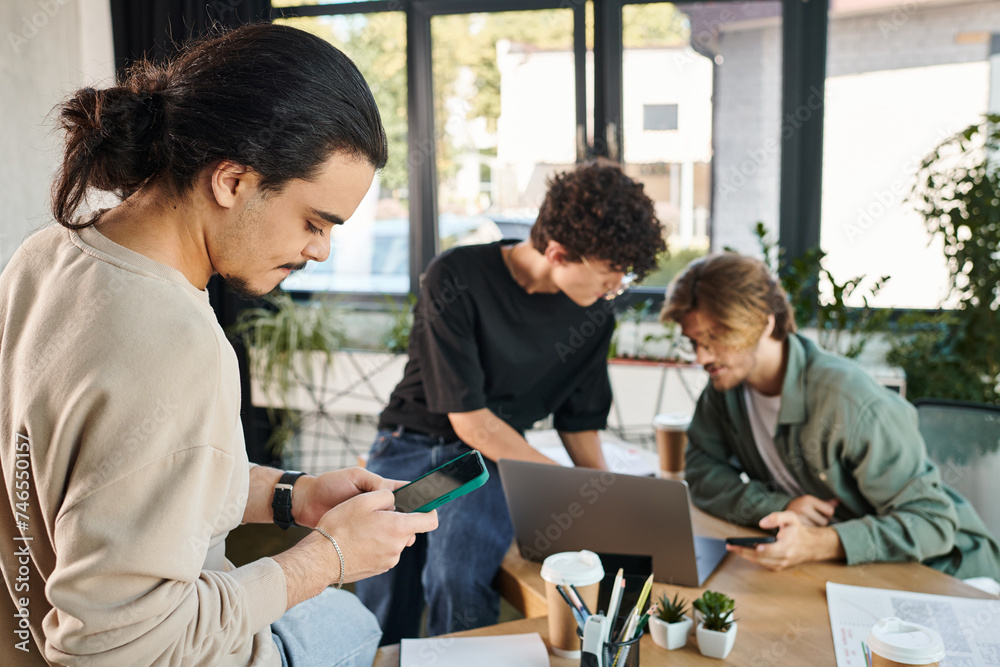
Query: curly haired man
{"type": "Point", "coordinates": [506, 334]}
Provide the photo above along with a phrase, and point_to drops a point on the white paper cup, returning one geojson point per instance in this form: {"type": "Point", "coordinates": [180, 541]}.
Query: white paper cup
{"type": "Point", "coordinates": [895, 643]}
{"type": "Point", "coordinates": [583, 570]}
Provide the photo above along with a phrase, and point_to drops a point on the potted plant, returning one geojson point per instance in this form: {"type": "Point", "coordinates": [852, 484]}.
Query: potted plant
{"type": "Point", "coordinates": [717, 629]}
{"type": "Point", "coordinates": [671, 625]}
{"type": "Point", "coordinates": [280, 337]}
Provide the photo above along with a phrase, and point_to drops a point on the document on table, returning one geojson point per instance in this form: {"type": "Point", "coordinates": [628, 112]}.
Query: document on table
{"type": "Point", "coordinates": [622, 460]}
{"type": "Point", "coordinates": [969, 627]}
{"type": "Point", "coordinates": [527, 650]}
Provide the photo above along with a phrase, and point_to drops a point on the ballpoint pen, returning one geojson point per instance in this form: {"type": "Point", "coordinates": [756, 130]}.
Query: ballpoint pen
{"type": "Point", "coordinates": [577, 614]}
{"type": "Point", "coordinates": [575, 598]}
{"type": "Point", "coordinates": [583, 605]}
{"type": "Point", "coordinates": [616, 596]}
{"type": "Point", "coordinates": [653, 608]}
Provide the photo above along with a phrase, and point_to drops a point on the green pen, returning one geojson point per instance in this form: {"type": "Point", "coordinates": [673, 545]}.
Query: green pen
{"type": "Point", "coordinates": [642, 625]}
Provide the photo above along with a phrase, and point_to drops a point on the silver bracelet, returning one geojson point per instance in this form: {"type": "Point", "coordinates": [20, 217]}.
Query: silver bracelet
{"type": "Point", "coordinates": [339, 553]}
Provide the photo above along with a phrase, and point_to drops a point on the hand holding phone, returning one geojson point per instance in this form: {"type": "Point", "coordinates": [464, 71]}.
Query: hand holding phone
{"type": "Point", "coordinates": [751, 541]}
{"type": "Point", "coordinates": [445, 483]}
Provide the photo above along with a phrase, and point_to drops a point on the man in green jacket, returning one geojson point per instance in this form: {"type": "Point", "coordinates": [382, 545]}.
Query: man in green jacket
{"type": "Point", "coordinates": [832, 460]}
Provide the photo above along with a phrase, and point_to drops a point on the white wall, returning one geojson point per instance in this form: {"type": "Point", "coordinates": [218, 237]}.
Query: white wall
{"type": "Point", "coordinates": [679, 76]}
{"type": "Point", "coordinates": [748, 127]}
{"type": "Point", "coordinates": [49, 48]}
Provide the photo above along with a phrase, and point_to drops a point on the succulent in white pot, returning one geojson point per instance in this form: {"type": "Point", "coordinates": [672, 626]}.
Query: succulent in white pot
{"type": "Point", "coordinates": [717, 629]}
{"type": "Point", "coordinates": [671, 625]}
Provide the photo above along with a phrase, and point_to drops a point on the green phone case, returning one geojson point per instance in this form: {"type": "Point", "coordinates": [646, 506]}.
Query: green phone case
{"type": "Point", "coordinates": [471, 485]}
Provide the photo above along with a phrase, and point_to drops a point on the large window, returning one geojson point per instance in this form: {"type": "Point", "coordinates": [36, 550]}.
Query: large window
{"type": "Point", "coordinates": [901, 77]}
{"type": "Point", "coordinates": [701, 91]}
{"type": "Point", "coordinates": [369, 254]}
{"type": "Point", "coordinates": [688, 96]}
{"type": "Point", "coordinates": [504, 102]}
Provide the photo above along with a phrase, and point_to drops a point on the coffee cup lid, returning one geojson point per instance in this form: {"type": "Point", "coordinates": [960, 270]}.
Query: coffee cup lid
{"type": "Point", "coordinates": [672, 421]}
{"type": "Point", "coordinates": [580, 568]}
{"type": "Point", "coordinates": [905, 642]}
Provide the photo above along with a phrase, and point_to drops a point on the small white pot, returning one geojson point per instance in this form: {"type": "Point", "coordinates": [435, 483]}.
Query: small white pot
{"type": "Point", "coordinates": [669, 635]}
{"type": "Point", "coordinates": [714, 644]}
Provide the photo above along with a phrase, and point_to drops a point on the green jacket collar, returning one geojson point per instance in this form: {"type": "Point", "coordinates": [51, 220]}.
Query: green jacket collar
{"type": "Point", "coordinates": [793, 389]}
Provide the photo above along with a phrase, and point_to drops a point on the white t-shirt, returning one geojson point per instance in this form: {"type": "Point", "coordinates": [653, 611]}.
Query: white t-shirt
{"type": "Point", "coordinates": [763, 413]}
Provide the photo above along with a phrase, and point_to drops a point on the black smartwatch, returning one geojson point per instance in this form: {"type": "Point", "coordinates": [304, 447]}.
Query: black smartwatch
{"type": "Point", "coordinates": [282, 502]}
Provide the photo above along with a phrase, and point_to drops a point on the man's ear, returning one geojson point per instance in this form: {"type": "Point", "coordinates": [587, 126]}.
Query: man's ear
{"type": "Point", "coordinates": [769, 327]}
{"type": "Point", "coordinates": [231, 182]}
{"type": "Point", "coordinates": [555, 253]}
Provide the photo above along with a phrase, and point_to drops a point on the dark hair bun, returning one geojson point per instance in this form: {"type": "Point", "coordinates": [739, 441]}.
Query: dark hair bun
{"type": "Point", "coordinates": [242, 95]}
{"type": "Point", "coordinates": [114, 135]}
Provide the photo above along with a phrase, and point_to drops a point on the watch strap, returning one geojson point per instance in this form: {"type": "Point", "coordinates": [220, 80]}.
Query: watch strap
{"type": "Point", "coordinates": [281, 503]}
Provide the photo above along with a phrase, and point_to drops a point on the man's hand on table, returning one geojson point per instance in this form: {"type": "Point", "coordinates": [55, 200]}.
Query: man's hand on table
{"type": "Point", "coordinates": [797, 543]}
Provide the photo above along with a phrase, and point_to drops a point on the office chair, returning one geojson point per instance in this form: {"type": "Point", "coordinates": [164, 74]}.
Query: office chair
{"type": "Point", "coordinates": [963, 438]}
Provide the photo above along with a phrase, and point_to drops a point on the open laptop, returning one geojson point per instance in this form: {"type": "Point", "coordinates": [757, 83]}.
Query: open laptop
{"type": "Point", "coordinates": [567, 509]}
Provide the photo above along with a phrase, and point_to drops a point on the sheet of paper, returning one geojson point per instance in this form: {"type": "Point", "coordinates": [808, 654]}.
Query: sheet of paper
{"type": "Point", "coordinates": [527, 650]}
{"type": "Point", "coordinates": [969, 627]}
{"type": "Point", "coordinates": [624, 460]}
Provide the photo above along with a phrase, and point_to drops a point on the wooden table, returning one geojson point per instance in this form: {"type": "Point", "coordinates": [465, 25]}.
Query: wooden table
{"type": "Point", "coordinates": [783, 617]}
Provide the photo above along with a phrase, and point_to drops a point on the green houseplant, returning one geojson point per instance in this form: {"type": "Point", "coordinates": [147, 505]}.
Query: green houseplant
{"type": "Point", "coordinates": [396, 338]}
{"type": "Point", "coordinates": [671, 625]}
{"type": "Point", "coordinates": [279, 337]}
{"type": "Point", "coordinates": [819, 300]}
{"type": "Point", "coordinates": [955, 353]}
{"type": "Point", "coordinates": [717, 627]}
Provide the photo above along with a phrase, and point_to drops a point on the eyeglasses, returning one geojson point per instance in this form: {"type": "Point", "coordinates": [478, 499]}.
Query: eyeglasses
{"type": "Point", "coordinates": [614, 292]}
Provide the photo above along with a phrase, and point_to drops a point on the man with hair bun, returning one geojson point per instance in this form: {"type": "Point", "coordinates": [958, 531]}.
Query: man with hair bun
{"type": "Point", "coordinates": [504, 335]}
{"type": "Point", "coordinates": [123, 456]}
{"type": "Point", "coordinates": [835, 462]}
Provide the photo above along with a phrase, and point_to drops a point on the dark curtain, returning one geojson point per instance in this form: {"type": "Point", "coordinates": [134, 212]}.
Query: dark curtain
{"type": "Point", "coordinates": [153, 28]}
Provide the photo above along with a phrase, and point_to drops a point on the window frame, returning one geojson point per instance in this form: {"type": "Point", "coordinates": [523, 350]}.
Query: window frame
{"type": "Point", "coordinates": [804, 43]}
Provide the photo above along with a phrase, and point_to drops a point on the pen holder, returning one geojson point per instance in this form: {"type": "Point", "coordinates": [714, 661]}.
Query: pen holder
{"type": "Point", "coordinates": [621, 654]}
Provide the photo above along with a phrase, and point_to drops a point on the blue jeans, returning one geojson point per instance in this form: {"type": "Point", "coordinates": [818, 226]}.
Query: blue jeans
{"type": "Point", "coordinates": [451, 569]}
{"type": "Point", "coordinates": [332, 629]}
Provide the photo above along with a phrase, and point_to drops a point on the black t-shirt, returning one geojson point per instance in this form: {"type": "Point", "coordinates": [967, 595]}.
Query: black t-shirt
{"type": "Point", "coordinates": [480, 341]}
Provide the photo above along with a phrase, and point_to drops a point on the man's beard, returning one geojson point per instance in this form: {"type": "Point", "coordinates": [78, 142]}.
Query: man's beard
{"type": "Point", "coordinates": [241, 285]}
{"type": "Point", "coordinates": [242, 288]}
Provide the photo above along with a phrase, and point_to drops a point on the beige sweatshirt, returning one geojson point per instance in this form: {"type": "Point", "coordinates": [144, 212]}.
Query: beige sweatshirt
{"type": "Point", "coordinates": [124, 465]}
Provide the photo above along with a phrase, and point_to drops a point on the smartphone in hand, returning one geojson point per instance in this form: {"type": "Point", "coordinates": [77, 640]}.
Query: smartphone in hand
{"type": "Point", "coordinates": [447, 482]}
{"type": "Point", "coordinates": [751, 541]}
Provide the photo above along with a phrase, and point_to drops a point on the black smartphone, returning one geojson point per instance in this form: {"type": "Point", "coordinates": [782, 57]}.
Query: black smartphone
{"type": "Point", "coordinates": [447, 482]}
{"type": "Point", "coordinates": [751, 541]}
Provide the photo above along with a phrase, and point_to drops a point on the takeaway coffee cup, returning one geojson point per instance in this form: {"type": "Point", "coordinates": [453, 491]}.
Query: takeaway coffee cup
{"type": "Point", "coordinates": [583, 569]}
{"type": "Point", "coordinates": [671, 439]}
{"type": "Point", "coordinates": [898, 643]}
